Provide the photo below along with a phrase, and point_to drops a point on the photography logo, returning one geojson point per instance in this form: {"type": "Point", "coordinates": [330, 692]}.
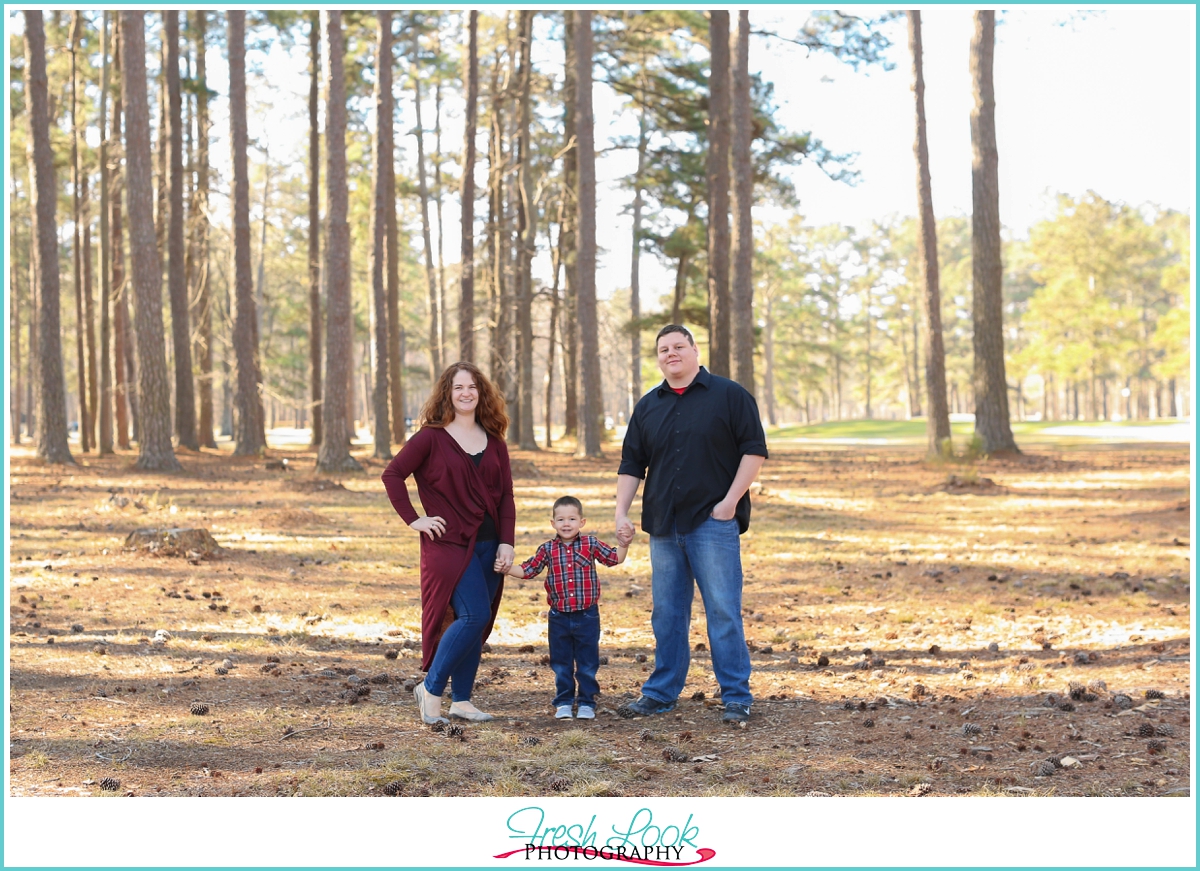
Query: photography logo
{"type": "Point", "coordinates": [639, 842]}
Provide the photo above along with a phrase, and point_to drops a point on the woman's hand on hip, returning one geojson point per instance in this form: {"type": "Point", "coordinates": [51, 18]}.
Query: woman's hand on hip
{"type": "Point", "coordinates": [504, 558]}
{"type": "Point", "coordinates": [434, 527]}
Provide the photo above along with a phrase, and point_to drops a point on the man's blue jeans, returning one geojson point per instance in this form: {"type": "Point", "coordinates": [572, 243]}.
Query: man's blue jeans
{"type": "Point", "coordinates": [711, 556]}
{"type": "Point", "coordinates": [575, 654]}
{"type": "Point", "coordinates": [458, 653]}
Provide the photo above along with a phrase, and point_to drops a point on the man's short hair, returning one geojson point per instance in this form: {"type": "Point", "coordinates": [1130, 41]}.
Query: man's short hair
{"type": "Point", "coordinates": [567, 500]}
{"type": "Point", "coordinates": [675, 328]}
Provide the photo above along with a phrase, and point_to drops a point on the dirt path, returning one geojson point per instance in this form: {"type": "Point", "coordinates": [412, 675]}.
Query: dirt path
{"type": "Point", "coordinates": [949, 611]}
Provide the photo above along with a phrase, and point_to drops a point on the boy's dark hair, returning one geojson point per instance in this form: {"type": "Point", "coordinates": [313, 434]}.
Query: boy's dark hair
{"type": "Point", "coordinates": [567, 500]}
{"type": "Point", "coordinates": [675, 328]}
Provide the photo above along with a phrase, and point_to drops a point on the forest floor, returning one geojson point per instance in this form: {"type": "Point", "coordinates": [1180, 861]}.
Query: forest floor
{"type": "Point", "coordinates": [977, 590]}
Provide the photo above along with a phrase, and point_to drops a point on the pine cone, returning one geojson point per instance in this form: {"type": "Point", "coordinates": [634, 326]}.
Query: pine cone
{"type": "Point", "coordinates": [1156, 746]}
{"type": "Point", "coordinates": [971, 729]}
{"type": "Point", "coordinates": [1066, 706]}
{"type": "Point", "coordinates": [868, 723]}
{"type": "Point", "coordinates": [1097, 685]}
{"type": "Point", "coordinates": [76, 627]}
{"type": "Point", "coordinates": [455, 731]}
{"type": "Point", "coordinates": [110, 784]}
{"type": "Point", "coordinates": [437, 727]}
{"type": "Point", "coordinates": [994, 647]}
{"type": "Point", "coordinates": [878, 662]}
{"type": "Point", "coordinates": [199, 709]}
{"type": "Point", "coordinates": [918, 690]}
{"type": "Point", "coordinates": [1155, 694]}
{"type": "Point", "coordinates": [394, 787]}
{"type": "Point", "coordinates": [1165, 729]}
{"type": "Point", "coordinates": [1076, 692]}
{"type": "Point", "coordinates": [1146, 730]}
{"type": "Point", "coordinates": [272, 658]}
{"type": "Point", "coordinates": [674, 754]}
{"type": "Point", "coordinates": [1051, 701]}
{"type": "Point", "coordinates": [822, 661]}
{"type": "Point", "coordinates": [921, 789]}
{"type": "Point", "coordinates": [99, 649]}
{"type": "Point", "coordinates": [391, 653]}
{"type": "Point", "coordinates": [529, 741]}
{"type": "Point", "coordinates": [698, 696]}
{"type": "Point", "coordinates": [645, 735]}
{"type": "Point", "coordinates": [639, 657]}
{"type": "Point", "coordinates": [850, 706]}
{"type": "Point", "coordinates": [220, 669]}
{"type": "Point", "coordinates": [624, 713]}
{"type": "Point", "coordinates": [603, 660]}
{"type": "Point", "coordinates": [381, 678]}
{"type": "Point", "coordinates": [1122, 701]}
{"type": "Point", "coordinates": [1045, 768]}
{"type": "Point", "coordinates": [362, 690]}
{"type": "Point", "coordinates": [560, 784]}
{"type": "Point", "coordinates": [269, 668]}
{"type": "Point", "coordinates": [1055, 760]}
{"type": "Point", "coordinates": [1088, 697]}
{"type": "Point", "coordinates": [862, 665]}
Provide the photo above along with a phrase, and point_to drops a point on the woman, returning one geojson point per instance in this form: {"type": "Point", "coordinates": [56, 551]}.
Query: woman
{"type": "Point", "coordinates": [460, 463]}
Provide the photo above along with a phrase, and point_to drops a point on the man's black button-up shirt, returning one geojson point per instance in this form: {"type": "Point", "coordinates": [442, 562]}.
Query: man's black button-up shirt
{"type": "Point", "coordinates": [691, 444]}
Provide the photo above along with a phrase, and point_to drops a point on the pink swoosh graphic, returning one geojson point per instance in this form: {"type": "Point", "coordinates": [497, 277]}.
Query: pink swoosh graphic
{"type": "Point", "coordinates": [705, 855]}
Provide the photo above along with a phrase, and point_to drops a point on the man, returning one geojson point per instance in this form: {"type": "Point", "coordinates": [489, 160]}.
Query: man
{"type": "Point", "coordinates": [702, 440]}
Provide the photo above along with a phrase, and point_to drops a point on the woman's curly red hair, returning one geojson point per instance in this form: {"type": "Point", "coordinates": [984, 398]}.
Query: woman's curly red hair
{"type": "Point", "coordinates": [490, 412]}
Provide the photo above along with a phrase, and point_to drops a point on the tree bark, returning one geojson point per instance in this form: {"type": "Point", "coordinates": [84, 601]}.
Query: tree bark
{"type": "Point", "coordinates": [202, 293]}
{"type": "Point", "coordinates": [334, 455]}
{"type": "Point", "coordinates": [314, 226]}
{"type": "Point", "coordinates": [122, 352]}
{"type": "Point", "coordinates": [52, 403]}
{"type": "Point", "coordinates": [554, 318]}
{"type": "Point", "coordinates": [185, 399]}
{"type": "Point", "coordinates": [466, 310]}
{"type": "Point", "coordinates": [437, 203]}
{"type": "Point", "coordinates": [937, 425]}
{"type": "Point", "coordinates": [498, 360]}
{"type": "Point", "coordinates": [990, 382]}
{"type": "Point", "coordinates": [436, 361]}
{"type": "Point", "coordinates": [89, 305]}
{"type": "Point", "coordinates": [395, 327]}
{"type": "Point", "coordinates": [635, 291]}
{"type": "Point", "coordinates": [105, 435]}
{"type": "Point", "coordinates": [570, 323]}
{"type": "Point", "coordinates": [248, 426]}
{"type": "Point", "coordinates": [528, 232]}
{"type": "Point", "coordinates": [379, 209]}
{"type": "Point", "coordinates": [589, 341]}
{"type": "Point", "coordinates": [154, 395]}
{"type": "Point", "coordinates": [742, 286]}
{"type": "Point", "coordinates": [85, 427]}
{"type": "Point", "coordinates": [717, 172]}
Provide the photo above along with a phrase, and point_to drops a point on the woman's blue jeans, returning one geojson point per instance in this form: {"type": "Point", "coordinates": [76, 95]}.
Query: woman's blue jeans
{"type": "Point", "coordinates": [711, 556]}
{"type": "Point", "coordinates": [457, 657]}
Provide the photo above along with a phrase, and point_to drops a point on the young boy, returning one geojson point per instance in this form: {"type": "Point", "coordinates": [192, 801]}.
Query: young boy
{"type": "Point", "coordinates": [573, 590]}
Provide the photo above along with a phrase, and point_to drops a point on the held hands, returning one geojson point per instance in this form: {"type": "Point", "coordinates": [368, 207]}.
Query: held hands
{"type": "Point", "coordinates": [625, 531]}
{"type": "Point", "coordinates": [504, 559]}
{"type": "Point", "coordinates": [434, 527]}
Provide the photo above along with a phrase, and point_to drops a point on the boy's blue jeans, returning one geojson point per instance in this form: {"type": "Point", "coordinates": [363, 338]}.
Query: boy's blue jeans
{"type": "Point", "coordinates": [459, 651]}
{"type": "Point", "coordinates": [708, 557]}
{"type": "Point", "coordinates": [575, 654]}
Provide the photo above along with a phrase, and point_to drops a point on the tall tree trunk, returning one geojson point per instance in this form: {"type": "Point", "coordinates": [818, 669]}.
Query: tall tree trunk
{"type": "Point", "coordinates": [741, 292]}
{"type": "Point", "coordinates": [248, 426]}
{"type": "Point", "coordinates": [202, 293]}
{"type": "Point", "coordinates": [554, 318]}
{"type": "Point", "coordinates": [437, 202]}
{"type": "Point", "coordinates": [379, 209]}
{"type": "Point", "coordinates": [77, 171]}
{"type": "Point", "coordinates": [498, 362]}
{"type": "Point", "coordinates": [185, 400]}
{"type": "Point", "coordinates": [991, 382]}
{"type": "Point", "coordinates": [105, 436]}
{"type": "Point", "coordinates": [436, 361]}
{"type": "Point", "coordinates": [635, 258]}
{"type": "Point", "coordinates": [314, 226]}
{"type": "Point", "coordinates": [527, 226]}
{"type": "Point", "coordinates": [161, 205]}
{"type": "Point", "coordinates": [681, 269]}
{"type": "Point", "coordinates": [334, 455]}
{"type": "Point", "coordinates": [154, 395]}
{"type": "Point", "coordinates": [52, 402]}
{"type": "Point", "coordinates": [589, 340]}
{"type": "Point", "coordinates": [938, 422]}
{"type": "Point", "coordinates": [915, 403]}
{"type": "Point", "coordinates": [14, 326]}
{"type": "Point", "coordinates": [717, 172]}
{"type": "Point", "coordinates": [123, 391]}
{"type": "Point", "coordinates": [89, 306]}
{"type": "Point", "coordinates": [395, 327]}
{"type": "Point", "coordinates": [466, 309]}
{"type": "Point", "coordinates": [260, 286]}
{"type": "Point", "coordinates": [570, 322]}
{"type": "Point", "coordinates": [769, 361]}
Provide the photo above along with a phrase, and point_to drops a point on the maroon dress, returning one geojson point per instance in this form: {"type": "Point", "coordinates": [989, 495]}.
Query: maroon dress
{"type": "Point", "coordinates": [451, 487]}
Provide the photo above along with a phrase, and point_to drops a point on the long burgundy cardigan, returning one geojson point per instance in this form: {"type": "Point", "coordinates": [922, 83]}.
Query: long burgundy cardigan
{"type": "Point", "coordinates": [451, 487]}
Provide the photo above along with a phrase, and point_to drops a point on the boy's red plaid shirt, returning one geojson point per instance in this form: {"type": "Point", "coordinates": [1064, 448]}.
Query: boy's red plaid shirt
{"type": "Point", "coordinates": [572, 584]}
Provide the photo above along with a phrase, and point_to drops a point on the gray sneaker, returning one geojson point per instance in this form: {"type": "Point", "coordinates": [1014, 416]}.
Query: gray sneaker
{"type": "Point", "coordinates": [645, 707]}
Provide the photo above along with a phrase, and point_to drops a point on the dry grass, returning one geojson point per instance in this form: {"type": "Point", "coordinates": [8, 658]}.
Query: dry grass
{"type": "Point", "coordinates": [1079, 552]}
